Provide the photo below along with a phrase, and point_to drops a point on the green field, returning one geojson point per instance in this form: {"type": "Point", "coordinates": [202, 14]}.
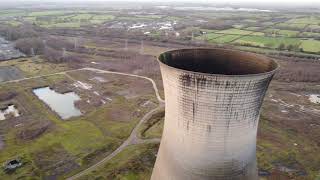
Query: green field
{"type": "Point", "coordinates": [66, 19]}
{"type": "Point", "coordinates": [209, 36]}
{"type": "Point", "coordinates": [30, 68]}
{"type": "Point", "coordinates": [252, 28]}
{"type": "Point", "coordinates": [63, 25]}
{"type": "Point", "coordinates": [153, 127]}
{"type": "Point", "coordinates": [310, 45]}
{"type": "Point", "coordinates": [305, 20]}
{"type": "Point", "coordinates": [12, 13]}
{"type": "Point", "coordinates": [225, 39]}
{"type": "Point", "coordinates": [253, 40]}
{"type": "Point", "coordinates": [310, 34]}
{"type": "Point", "coordinates": [48, 13]}
{"type": "Point", "coordinates": [314, 27]}
{"type": "Point", "coordinates": [98, 19]}
{"type": "Point", "coordinates": [271, 30]}
{"type": "Point", "coordinates": [288, 33]}
{"type": "Point", "coordinates": [270, 42]}
{"type": "Point", "coordinates": [82, 17]}
{"type": "Point", "coordinates": [134, 163]}
{"type": "Point", "coordinates": [235, 31]}
{"type": "Point", "coordinates": [291, 26]}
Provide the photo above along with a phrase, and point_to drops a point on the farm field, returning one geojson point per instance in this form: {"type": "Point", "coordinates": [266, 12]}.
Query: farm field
{"type": "Point", "coordinates": [310, 45]}
{"type": "Point", "coordinates": [268, 42]}
{"type": "Point", "coordinates": [288, 31]}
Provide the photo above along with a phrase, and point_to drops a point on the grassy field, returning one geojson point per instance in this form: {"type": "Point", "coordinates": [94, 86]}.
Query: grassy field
{"type": "Point", "coordinates": [63, 25]}
{"type": "Point", "coordinates": [310, 45]}
{"type": "Point", "coordinates": [209, 36]}
{"type": "Point", "coordinates": [253, 28]}
{"type": "Point", "coordinates": [305, 20]}
{"type": "Point", "coordinates": [260, 41]}
{"type": "Point", "coordinates": [153, 127]}
{"type": "Point", "coordinates": [288, 33]}
{"type": "Point", "coordinates": [49, 13]}
{"type": "Point", "coordinates": [98, 19]}
{"type": "Point", "coordinates": [66, 19]}
{"type": "Point", "coordinates": [235, 32]}
{"type": "Point", "coordinates": [35, 66]}
{"type": "Point", "coordinates": [291, 25]}
{"type": "Point", "coordinates": [224, 39]}
{"type": "Point", "coordinates": [271, 30]}
{"type": "Point", "coordinates": [314, 27]}
{"type": "Point", "coordinates": [269, 152]}
{"type": "Point", "coordinates": [310, 34]}
{"type": "Point", "coordinates": [12, 13]}
{"type": "Point", "coordinates": [134, 163]}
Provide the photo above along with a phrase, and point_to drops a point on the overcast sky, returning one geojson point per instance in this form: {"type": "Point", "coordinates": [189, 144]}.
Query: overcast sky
{"type": "Point", "coordinates": [231, 2]}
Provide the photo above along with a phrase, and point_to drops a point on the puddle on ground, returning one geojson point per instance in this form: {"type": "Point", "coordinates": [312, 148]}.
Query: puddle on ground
{"type": "Point", "coordinates": [63, 104]}
{"type": "Point", "coordinates": [10, 110]}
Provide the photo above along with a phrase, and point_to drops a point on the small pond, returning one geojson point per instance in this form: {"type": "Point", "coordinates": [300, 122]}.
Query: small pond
{"type": "Point", "coordinates": [63, 104]}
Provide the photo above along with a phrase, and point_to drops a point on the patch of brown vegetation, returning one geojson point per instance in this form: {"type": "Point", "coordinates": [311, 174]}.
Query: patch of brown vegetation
{"type": "Point", "coordinates": [33, 130]}
{"type": "Point", "coordinates": [55, 161]}
{"type": "Point", "coordinates": [120, 114]}
{"type": "Point", "coordinates": [62, 87]}
{"type": "Point", "coordinates": [5, 96]}
{"type": "Point", "coordinates": [298, 70]}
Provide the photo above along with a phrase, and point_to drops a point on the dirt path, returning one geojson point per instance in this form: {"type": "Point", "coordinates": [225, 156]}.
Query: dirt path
{"type": "Point", "coordinates": [133, 138]}
{"type": "Point", "coordinates": [94, 70]}
{"type": "Point", "coordinates": [36, 77]}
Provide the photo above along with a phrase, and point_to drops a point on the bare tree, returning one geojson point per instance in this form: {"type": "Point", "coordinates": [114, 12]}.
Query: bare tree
{"type": "Point", "coordinates": [30, 46]}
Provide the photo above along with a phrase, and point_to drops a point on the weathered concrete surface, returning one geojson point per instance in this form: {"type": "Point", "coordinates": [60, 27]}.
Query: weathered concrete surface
{"type": "Point", "coordinates": [213, 99]}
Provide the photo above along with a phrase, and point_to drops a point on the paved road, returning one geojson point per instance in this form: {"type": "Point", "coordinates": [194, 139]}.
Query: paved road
{"type": "Point", "coordinates": [133, 138]}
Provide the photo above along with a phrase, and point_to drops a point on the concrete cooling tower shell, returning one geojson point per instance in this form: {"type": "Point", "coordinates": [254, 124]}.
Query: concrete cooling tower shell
{"type": "Point", "coordinates": [212, 102]}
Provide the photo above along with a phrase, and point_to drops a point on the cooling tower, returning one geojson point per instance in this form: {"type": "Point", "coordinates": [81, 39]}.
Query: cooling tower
{"type": "Point", "coordinates": [212, 102]}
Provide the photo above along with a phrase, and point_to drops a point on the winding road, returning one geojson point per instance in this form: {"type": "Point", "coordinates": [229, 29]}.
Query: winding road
{"type": "Point", "coordinates": [133, 138]}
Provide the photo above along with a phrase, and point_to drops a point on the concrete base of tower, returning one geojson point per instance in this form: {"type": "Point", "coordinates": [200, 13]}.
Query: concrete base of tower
{"type": "Point", "coordinates": [165, 168]}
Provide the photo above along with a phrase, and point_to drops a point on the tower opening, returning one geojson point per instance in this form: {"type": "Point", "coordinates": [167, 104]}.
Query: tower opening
{"type": "Point", "coordinates": [218, 61]}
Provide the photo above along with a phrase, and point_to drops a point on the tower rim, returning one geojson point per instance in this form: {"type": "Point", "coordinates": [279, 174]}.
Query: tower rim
{"type": "Point", "coordinates": [252, 58]}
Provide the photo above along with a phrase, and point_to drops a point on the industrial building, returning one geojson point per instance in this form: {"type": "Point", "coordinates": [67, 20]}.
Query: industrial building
{"type": "Point", "coordinates": [212, 103]}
